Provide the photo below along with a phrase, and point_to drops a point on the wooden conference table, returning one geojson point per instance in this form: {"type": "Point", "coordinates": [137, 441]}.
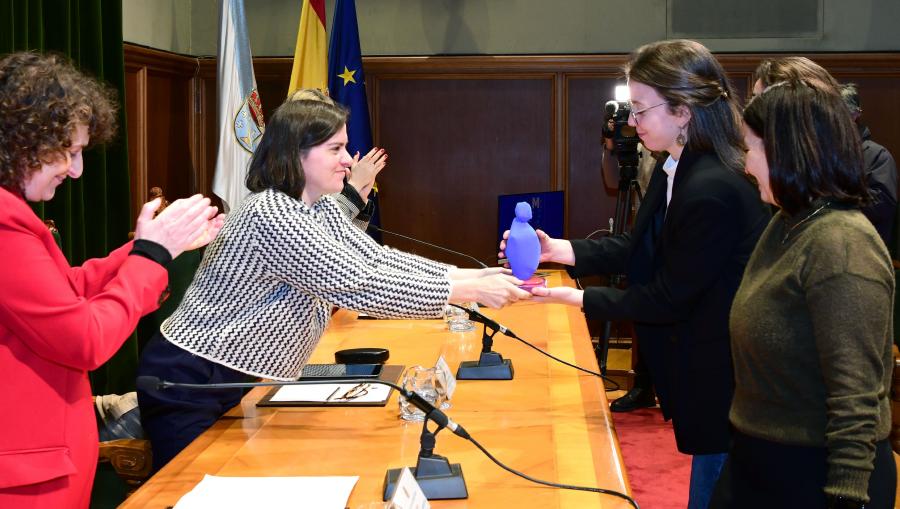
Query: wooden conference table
{"type": "Point", "coordinates": [551, 421]}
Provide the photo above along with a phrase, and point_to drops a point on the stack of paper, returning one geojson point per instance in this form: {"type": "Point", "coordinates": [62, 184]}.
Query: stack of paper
{"type": "Point", "coordinates": [268, 492]}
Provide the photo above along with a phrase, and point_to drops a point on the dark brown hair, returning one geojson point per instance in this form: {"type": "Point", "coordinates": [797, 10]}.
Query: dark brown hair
{"type": "Point", "coordinates": [42, 99]}
{"type": "Point", "coordinates": [775, 70]}
{"type": "Point", "coordinates": [296, 127]}
{"type": "Point", "coordinates": [812, 145]}
{"type": "Point", "coordinates": [686, 74]}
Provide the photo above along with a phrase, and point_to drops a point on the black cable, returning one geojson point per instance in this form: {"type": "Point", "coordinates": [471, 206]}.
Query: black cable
{"type": "Point", "coordinates": [553, 484]}
{"type": "Point", "coordinates": [579, 368]}
{"type": "Point", "coordinates": [496, 327]}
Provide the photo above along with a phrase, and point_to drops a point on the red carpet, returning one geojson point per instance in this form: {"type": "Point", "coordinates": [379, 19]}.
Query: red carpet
{"type": "Point", "coordinates": [658, 473]}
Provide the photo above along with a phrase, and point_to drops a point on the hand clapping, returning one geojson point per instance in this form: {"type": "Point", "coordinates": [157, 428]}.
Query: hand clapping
{"type": "Point", "coordinates": [186, 224]}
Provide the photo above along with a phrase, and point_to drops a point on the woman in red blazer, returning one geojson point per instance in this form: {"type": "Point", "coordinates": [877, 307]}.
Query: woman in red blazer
{"type": "Point", "coordinates": [58, 322]}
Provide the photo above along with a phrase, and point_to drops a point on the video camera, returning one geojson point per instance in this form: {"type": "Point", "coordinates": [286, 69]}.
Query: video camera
{"type": "Point", "coordinates": [625, 138]}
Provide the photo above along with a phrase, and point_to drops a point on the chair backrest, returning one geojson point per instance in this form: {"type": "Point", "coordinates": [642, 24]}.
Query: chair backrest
{"type": "Point", "coordinates": [131, 459]}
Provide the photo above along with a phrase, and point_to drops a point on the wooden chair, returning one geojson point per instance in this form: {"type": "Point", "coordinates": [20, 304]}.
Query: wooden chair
{"type": "Point", "coordinates": [132, 460]}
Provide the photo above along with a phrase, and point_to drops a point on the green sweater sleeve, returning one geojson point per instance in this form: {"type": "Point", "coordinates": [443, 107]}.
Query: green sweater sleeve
{"type": "Point", "coordinates": [847, 311]}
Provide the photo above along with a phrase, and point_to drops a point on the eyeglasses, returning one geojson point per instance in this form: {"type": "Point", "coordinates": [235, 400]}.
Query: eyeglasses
{"type": "Point", "coordinates": [635, 114]}
{"type": "Point", "coordinates": [357, 391]}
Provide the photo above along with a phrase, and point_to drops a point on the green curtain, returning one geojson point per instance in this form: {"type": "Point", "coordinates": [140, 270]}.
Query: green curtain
{"type": "Point", "coordinates": [93, 212]}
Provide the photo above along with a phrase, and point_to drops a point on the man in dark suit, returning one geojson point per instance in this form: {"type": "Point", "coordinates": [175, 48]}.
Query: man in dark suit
{"type": "Point", "coordinates": [881, 174]}
{"type": "Point", "coordinates": [693, 235]}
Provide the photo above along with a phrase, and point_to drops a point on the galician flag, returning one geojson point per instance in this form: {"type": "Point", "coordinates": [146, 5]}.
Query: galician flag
{"type": "Point", "coordinates": [241, 122]}
{"type": "Point", "coordinates": [311, 54]}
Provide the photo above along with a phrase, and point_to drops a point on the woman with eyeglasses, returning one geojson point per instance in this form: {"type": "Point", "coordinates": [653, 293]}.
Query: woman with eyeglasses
{"type": "Point", "coordinates": [692, 236]}
{"type": "Point", "coordinates": [811, 324]}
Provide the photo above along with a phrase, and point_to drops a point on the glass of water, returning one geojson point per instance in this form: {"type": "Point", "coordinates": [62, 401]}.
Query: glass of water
{"type": "Point", "coordinates": [457, 319]}
{"type": "Point", "coordinates": [424, 382]}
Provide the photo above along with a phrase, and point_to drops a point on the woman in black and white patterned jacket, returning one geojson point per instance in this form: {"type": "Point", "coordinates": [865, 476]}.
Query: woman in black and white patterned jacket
{"type": "Point", "coordinates": [263, 295]}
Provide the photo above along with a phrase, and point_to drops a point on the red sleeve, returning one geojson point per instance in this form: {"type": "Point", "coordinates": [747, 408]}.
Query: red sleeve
{"type": "Point", "coordinates": [75, 317]}
{"type": "Point", "coordinates": [92, 276]}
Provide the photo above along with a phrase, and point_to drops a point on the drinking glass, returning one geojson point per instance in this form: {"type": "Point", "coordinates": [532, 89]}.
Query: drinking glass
{"type": "Point", "coordinates": [424, 382]}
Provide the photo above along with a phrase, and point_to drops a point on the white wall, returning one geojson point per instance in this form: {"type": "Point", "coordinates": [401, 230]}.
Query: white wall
{"type": "Point", "coordinates": [465, 27]}
{"type": "Point", "coordinates": [162, 24]}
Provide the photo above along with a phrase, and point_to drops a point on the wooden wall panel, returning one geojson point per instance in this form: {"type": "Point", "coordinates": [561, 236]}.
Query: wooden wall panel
{"type": "Point", "coordinates": [880, 101]}
{"type": "Point", "coordinates": [169, 158]}
{"type": "Point", "coordinates": [161, 116]}
{"type": "Point", "coordinates": [454, 145]}
{"type": "Point", "coordinates": [591, 201]}
{"type": "Point", "coordinates": [136, 125]}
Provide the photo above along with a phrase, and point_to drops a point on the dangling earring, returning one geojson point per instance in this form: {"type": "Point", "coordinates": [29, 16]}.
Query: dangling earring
{"type": "Point", "coordinates": [681, 140]}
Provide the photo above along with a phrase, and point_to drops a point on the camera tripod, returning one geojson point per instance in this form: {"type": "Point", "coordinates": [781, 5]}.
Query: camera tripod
{"type": "Point", "coordinates": [628, 197]}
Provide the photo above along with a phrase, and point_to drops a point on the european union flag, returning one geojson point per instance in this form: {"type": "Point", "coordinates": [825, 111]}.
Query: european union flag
{"type": "Point", "coordinates": [346, 82]}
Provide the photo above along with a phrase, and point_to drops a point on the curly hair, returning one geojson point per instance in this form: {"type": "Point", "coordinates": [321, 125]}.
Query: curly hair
{"type": "Point", "coordinates": [42, 99]}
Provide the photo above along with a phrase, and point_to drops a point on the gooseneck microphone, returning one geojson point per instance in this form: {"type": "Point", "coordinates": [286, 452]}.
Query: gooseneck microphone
{"type": "Point", "coordinates": [429, 244]}
{"type": "Point", "coordinates": [487, 342]}
{"type": "Point", "coordinates": [433, 472]}
{"type": "Point", "coordinates": [490, 364]}
{"type": "Point", "coordinates": [149, 383]}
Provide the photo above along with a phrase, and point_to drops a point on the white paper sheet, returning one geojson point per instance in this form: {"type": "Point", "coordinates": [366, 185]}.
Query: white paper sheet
{"type": "Point", "coordinates": [269, 492]}
{"type": "Point", "coordinates": [331, 393]}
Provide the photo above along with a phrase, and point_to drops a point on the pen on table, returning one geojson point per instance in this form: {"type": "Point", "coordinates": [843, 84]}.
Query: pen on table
{"type": "Point", "coordinates": [336, 389]}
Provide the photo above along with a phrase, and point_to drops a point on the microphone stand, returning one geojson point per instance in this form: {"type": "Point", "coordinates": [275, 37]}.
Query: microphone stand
{"type": "Point", "coordinates": [438, 478]}
{"type": "Point", "coordinates": [490, 365]}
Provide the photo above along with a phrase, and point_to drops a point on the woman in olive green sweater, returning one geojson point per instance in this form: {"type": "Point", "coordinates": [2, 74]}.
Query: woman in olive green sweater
{"type": "Point", "coordinates": [811, 324]}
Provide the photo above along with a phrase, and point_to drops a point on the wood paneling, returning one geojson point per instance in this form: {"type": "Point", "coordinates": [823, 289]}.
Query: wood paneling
{"type": "Point", "coordinates": [162, 123]}
{"type": "Point", "coordinates": [455, 144]}
{"type": "Point", "coordinates": [169, 158]}
{"type": "Point", "coordinates": [459, 131]}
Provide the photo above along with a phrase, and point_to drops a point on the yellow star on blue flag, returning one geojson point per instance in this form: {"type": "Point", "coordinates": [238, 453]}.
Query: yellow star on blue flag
{"type": "Point", "coordinates": [347, 76]}
{"type": "Point", "coordinates": [344, 54]}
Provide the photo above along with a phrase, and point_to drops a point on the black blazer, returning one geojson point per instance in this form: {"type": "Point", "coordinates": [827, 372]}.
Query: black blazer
{"type": "Point", "coordinates": [681, 282]}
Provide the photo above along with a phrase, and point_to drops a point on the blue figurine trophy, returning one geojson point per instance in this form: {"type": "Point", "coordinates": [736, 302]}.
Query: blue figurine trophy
{"type": "Point", "coordinates": [523, 250]}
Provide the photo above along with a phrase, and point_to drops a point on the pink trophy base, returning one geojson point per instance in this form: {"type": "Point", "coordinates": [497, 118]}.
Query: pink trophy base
{"type": "Point", "coordinates": [533, 282]}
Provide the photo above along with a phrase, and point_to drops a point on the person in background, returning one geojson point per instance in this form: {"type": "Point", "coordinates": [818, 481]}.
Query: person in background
{"type": "Point", "coordinates": [881, 173]}
{"type": "Point", "coordinates": [58, 322]}
{"type": "Point", "coordinates": [641, 394]}
{"type": "Point", "coordinates": [286, 257]}
{"type": "Point", "coordinates": [692, 237]}
{"type": "Point", "coordinates": [776, 70]}
{"type": "Point", "coordinates": [811, 323]}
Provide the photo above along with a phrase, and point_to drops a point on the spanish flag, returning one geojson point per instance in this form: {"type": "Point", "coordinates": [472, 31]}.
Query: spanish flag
{"type": "Point", "coordinates": [310, 56]}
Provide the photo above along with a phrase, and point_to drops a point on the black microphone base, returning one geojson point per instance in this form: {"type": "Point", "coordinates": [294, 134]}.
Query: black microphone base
{"type": "Point", "coordinates": [490, 366]}
{"type": "Point", "coordinates": [438, 479]}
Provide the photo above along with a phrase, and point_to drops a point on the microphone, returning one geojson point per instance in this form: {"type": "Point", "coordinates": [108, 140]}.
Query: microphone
{"type": "Point", "coordinates": [476, 316]}
{"type": "Point", "coordinates": [490, 365]}
{"type": "Point", "coordinates": [151, 383]}
{"type": "Point", "coordinates": [435, 475]}
{"type": "Point", "coordinates": [487, 363]}
{"type": "Point", "coordinates": [429, 244]}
